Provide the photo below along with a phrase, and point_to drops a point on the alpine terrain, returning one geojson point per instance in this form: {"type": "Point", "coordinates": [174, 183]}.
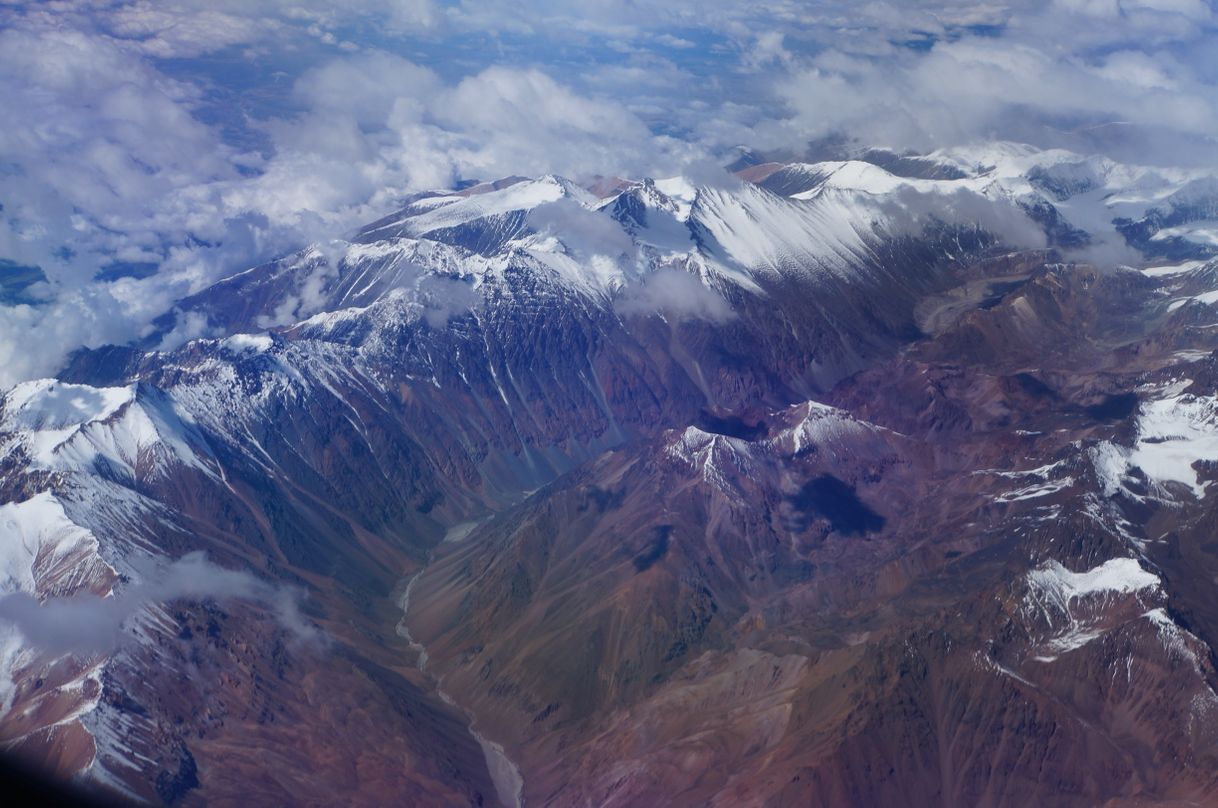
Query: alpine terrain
{"type": "Point", "coordinates": [848, 478]}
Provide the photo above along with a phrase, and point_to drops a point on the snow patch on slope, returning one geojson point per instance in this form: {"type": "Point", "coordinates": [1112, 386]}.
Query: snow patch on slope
{"type": "Point", "coordinates": [71, 427]}
{"type": "Point", "coordinates": [1036, 490]}
{"type": "Point", "coordinates": [758, 231]}
{"type": "Point", "coordinates": [50, 412]}
{"type": "Point", "coordinates": [1167, 270]}
{"type": "Point", "coordinates": [681, 191]}
{"type": "Point", "coordinates": [1067, 601]}
{"type": "Point", "coordinates": [717, 458]}
{"type": "Point", "coordinates": [1056, 585]}
{"type": "Point", "coordinates": [44, 554]}
{"type": "Point", "coordinates": [1174, 433]}
{"type": "Point", "coordinates": [41, 548]}
{"type": "Point", "coordinates": [823, 427]}
{"type": "Point", "coordinates": [522, 196]}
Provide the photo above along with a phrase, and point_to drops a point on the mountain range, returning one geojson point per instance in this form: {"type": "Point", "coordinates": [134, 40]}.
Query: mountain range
{"type": "Point", "coordinates": [852, 478]}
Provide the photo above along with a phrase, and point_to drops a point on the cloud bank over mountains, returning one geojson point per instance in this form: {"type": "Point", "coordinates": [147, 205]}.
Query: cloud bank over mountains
{"type": "Point", "coordinates": [88, 625]}
{"type": "Point", "coordinates": [150, 149]}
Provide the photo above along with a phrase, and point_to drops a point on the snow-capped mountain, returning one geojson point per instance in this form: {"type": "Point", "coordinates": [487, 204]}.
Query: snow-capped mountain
{"type": "Point", "coordinates": [850, 481]}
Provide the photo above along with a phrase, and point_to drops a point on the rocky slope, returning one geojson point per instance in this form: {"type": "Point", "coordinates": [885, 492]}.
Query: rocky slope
{"type": "Point", "coordinates": [953, 589]}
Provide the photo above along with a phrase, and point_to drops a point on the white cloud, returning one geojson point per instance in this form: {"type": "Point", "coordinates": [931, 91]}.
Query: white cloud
{"type": "Point", "coordinates": [532, 123]}
{"type": "Point", "coordinates": [676, 294]}
{"type": "Point", "coordinates": [767, 49]}
{"type": "Point", "coordinates": [670, 41]}
{"type": "Point", "coordinates": [976, 88]}
{"type": "Point", "coordinates": [176, 31]}
{"type": "Point", "coordinates": [89, 625]}
{"type": "Point", "coordinates": [585, 233]}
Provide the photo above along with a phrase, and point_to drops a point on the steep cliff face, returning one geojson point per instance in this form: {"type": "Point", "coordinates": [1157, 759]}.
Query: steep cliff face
{"type": "Point", "coordinates": [763, 494]}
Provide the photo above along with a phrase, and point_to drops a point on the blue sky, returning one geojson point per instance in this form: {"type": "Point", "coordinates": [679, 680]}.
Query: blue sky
{"type": "Point", "coordinates": [198, 137]}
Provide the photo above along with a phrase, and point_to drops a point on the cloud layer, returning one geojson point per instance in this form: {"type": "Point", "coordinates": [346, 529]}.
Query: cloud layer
{"type": "Point", "coordinates": [89, 625]}
{"type": "Point", "coordinates": [153, 148]}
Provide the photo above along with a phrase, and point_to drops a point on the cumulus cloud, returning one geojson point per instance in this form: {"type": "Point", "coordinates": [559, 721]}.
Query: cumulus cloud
{"type": "Point", "coordinates": [1052, 73]}
{"type": "Point", "coordinates": [970, 89]}
{"type": "Point", "coordinates": [181, 32]}
{"type": "Point", "coordinates": [910, 212]}
{"type": "Point", "coordinates": [444, 298]}
{"type": "Point", "coordinates": [584, 233]}
{"type": "Point", "coordinates": [87, 625]}
{"type": "Point", "coordinates": [675, 294]}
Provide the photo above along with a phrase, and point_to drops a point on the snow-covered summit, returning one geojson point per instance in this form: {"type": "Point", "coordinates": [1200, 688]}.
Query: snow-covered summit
{"type": "Point", "coordinates": [72, 427]}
